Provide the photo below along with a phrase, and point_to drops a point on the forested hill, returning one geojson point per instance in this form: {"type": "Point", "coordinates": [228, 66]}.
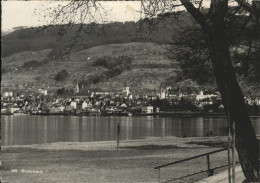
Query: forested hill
{"type": "Point", "coordinates": [59, 36]}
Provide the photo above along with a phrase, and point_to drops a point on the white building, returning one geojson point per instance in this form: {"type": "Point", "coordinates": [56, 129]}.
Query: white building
{"type": "Point", "coordinates": [8, 94]}
{"type": "Point", "coordinates": [57, 109]}
{"type": "Point", "coordinates": [43, 92]}
{"type": "Point", "coordinates": [102, 93]}
{"type": "Point", "coordinates": [257, 101]}
{"type": "Point", "coordinates": [252, 101]}
{"type": "Point", "coordinates": [124, 105]}
{"type": "Point", "coordinates": [61, 108]}
{"type": "Point", "coordinates": [201, 96]}
{"type": "Point", "coordinates": [162, 95]}
{"type": "Point", "coordinates": [86, 104]}
{"type": "Point", "coordinates": [147, 109]}
{"type": "Point", "coordinates": [157, 109]}
{"type": "Point", "coordinates": [172, 96]}
{"type": "Point", "coordinates": [73, 105]}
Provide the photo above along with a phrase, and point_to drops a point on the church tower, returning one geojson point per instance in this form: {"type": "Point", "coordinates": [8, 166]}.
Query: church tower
{"type": "Point", "coordinates": [76, 89]}
{"type": "Point", "coordinates": [162, 92]}
{"type": "Point", "coordinates": [126, 90]}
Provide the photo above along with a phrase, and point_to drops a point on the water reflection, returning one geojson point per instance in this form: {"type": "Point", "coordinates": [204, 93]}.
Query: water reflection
{"type": "Point", "coordinates": [18, 130]}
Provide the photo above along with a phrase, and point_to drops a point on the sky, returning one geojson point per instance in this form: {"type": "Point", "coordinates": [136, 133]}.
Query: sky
{"type": "Point", "coordinates": [36, 13]}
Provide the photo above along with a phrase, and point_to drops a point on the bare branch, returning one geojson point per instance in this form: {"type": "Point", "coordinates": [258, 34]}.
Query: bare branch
{"type": "Point", "coordinates": [245, 5]}
{"type": "Point", "coordinates": [200, 3]}
{"type": "Point", "coordinates": [196, 14]}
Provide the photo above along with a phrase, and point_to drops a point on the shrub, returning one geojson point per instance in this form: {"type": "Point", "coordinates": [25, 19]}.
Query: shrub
{"type": "Point", "coordinates": [115, 66]}
{"type": "Point", "coordinates": [121, 62]}
{"type": "Point", "coordinates": [61, 75]}
{"type": "Point", "coordinates": [32, 63]}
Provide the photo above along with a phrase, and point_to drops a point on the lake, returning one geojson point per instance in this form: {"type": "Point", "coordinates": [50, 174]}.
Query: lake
{"type": "Point", "coordinates": [24, 130]}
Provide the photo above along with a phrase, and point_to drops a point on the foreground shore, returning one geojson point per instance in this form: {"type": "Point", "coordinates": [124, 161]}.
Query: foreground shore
{"type": "Point", "coordinates": [102, 162]}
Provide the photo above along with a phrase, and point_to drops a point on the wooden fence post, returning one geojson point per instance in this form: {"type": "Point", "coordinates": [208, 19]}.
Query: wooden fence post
{"type": "Point", "coordinates": [229, 146]}
{"type": "Point", "coordinates": [159, 175]}
{"type": "Point", "coordinates": [210, 171]}
{"type": "Point", "coordinates": [233, 153]}
{"type": "Point", "coordinates": [118, 134]}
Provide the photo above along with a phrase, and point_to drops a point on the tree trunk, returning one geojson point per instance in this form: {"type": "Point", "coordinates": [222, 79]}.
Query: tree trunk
{"type": "Point", "coordinates": [214, 28]}
{"type": "Point", "coordinates": [233, 99]}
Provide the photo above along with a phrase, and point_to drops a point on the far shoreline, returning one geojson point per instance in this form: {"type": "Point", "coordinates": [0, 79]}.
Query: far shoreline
{"type": "Point", "coordinates": [163, 114]}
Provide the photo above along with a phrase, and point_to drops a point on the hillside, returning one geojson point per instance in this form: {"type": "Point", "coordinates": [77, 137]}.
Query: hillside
{"type": "Point", "coordinates": [34, 57]}
{"type": "Point", "coordinates": [29, 55]}
{"type": "Point", "coordinates": [149, 68]}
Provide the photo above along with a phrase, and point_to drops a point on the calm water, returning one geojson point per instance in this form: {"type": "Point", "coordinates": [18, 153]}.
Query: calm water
{"type": "Point", "coordinates": [23, 130]}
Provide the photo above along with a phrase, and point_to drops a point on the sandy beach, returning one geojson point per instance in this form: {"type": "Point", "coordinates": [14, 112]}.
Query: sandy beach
{"type": "Point", "coordinates": [135, 160]}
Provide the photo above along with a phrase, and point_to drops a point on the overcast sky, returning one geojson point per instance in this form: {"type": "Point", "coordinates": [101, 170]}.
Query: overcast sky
{"type": "Point", "coordinates": [37, 13]}
{"type": "Point", "coordinates": [31, 14]}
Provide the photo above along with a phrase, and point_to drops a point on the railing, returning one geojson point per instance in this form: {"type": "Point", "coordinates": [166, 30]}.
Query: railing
{"type": "Point", "coordinates": [210, 171]}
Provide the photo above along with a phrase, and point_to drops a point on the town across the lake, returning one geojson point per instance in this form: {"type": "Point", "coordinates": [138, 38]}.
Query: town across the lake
{"type": "Point", "coordinates": [166, 102]}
